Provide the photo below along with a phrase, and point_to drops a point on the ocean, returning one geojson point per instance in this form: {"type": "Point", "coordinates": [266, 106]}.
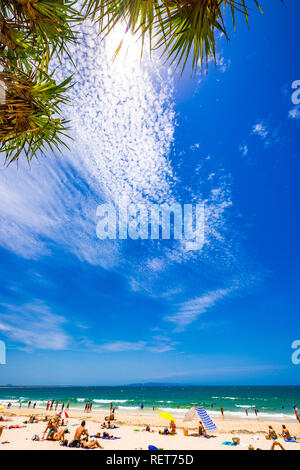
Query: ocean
{"type": "Point", "coordinates": [273, 402]}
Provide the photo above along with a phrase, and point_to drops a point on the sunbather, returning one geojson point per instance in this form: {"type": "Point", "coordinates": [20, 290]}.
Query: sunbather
{"type": "Point", "coordinates": [272, 434]}
{"type": "Point", "coordinates": [173, 427]}
{"type": "Point", "coordinates": [92, 444]}
{"type": "Point", "coordinates": [276, 443]}
{"type": "Point", "coordinates": [285, 433]}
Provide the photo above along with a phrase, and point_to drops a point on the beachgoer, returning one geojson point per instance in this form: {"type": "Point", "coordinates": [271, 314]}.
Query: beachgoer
{"type": "Point", "coordinates": [29, 403]}
{"type": "Point", "coordinates": [1, 430]}
{"type": "Point", "coordinates": [81, 431]}
{"type": "Point", "coordinates": [68, 405]}
{"type": "Point", "coordinates": [50, 428]}
{"type": "Point", "coordinates": [276, 443]}
{"type": "Point", "coordinates": [173, 427]}
{"type": "Point", "coordinates": [272, 434]}
{"type": "Point", "coordinates": [296, 413]}
{"type": "Point", "coordinates": [201, 429]}
{"type": "Point", "coordinates": [222, 411]}
{"type": "Point", "coordinates": [142, 406]}
{"type": "Point", "coordinates": [93, 444]}
{"type": "Point", "coordinates": [285, 433]}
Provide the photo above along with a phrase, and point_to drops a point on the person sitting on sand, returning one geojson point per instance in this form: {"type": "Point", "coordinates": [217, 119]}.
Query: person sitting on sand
{"type": "Point", "coordinates": [80, 433]}
{"type": "Point", "coordinates": [272, 434]}
{"type": "Point", "coordinates": [173, 427]}
{"type": "Point", "coordinates": [285, 433]}
{"type": "Point", "coordinates": [148, 428]}
{"type": "Point", "coordinates": [33, 419]}
{"type": "Point", "coordinates": [93, 444]}
{"type": "Point", "coordinates": [57, 436]}
{"type": "Point", "coordinates": [201, 429]}
{"type": "Point", "coordinates": [1, 430]}
{"type": "Point", "coordinates": [51, 429]}
{"type": "Point", "coordinates": [276, 443]}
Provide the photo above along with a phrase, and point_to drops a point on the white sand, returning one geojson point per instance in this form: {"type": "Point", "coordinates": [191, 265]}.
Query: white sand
{"type": "Point", "coordinates": [130, 440]}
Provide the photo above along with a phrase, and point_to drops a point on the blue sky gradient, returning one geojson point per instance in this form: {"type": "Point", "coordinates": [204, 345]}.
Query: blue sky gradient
{"type": "Point", "coordinates": [78, 310]}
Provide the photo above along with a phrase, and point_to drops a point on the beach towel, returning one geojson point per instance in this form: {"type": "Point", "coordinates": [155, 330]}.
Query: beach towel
{"type": "Point", "coordinates": [229, 443]}
{"type": "Point", "coordinates": [289, 440]}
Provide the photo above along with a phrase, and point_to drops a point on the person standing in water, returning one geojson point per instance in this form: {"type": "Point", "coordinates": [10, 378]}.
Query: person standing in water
{"type": "Point", "coordinates": [296, 413]}
{"type": "Point", "coordinates": [222, 411]}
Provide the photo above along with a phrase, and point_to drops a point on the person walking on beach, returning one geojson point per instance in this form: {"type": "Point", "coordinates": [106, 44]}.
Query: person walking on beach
{"type": "Point", "coordinates": [153, 407]}
{"type": "Point", "coordinates": [29, 403]}
{"type": "Point", "coordinates": [246, 411]}
{"type": "Point", "coordinates": [34, 405]}
{"type": "Point", "coordinates": [91, 406]}
{"type": "Point", "coordinates": [48, 404]}
{"type": "Point", "coordinates": [142, 406]}
{"type": "Point", "coordinates": [296, 413]}
{"type": "Point", "coordinates": [62, 406]}
{"type": "Point", "coordinates": [68, 405]}
{"type": "Point", "coordinates": [222, 411]}
{"type": "Point", "coordinates": [56, 405]}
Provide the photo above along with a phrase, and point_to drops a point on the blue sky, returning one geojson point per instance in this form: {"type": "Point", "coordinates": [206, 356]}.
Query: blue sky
{"type": "Point", "coordinates": [78, 310]}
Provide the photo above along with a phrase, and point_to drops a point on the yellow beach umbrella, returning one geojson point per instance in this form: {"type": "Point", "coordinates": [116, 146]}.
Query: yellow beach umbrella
{"type": "Point", "coordinates": [167, 416]}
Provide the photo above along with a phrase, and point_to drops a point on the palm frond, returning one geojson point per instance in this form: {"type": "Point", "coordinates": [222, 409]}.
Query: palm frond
{"type": "Point", "coordinates": [181, 28]}
{"type": "Point", "coordinates": [29, 117]}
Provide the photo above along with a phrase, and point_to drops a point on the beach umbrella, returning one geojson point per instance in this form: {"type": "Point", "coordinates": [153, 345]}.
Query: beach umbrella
{"type": "Point", "coordinates": [199, 412]}
{"type": "Point", "coordinates": [1, 408]}
{"type": "Point", "coordinates": [167, 416]}
{"type": "Point", "coordinates": [63, 414]}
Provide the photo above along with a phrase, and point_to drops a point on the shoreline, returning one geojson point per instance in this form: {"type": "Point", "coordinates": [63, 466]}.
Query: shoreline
{"type": "Point", "coordinates": [124, 416]}
{"type": "Point", "coordinates": [178, 413]}
{"type": "Point", "coordinates": [130, 436]}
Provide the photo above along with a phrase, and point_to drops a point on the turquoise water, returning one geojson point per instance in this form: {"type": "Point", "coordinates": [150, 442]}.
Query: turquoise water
{"type": "Point", "coordinates": [276, 402]}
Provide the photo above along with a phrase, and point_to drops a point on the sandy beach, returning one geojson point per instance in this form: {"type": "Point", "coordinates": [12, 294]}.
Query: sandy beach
{"type": "Point", "coordinates": [132, 437]}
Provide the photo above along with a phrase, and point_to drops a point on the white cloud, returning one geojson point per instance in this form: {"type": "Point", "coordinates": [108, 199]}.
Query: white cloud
{"type": "Point", "coordinates": [188, 312]}
{"type": "Point", "coordinates": [122, 121]}
{"type": "Point", "coordinates": [121, 346]}
{"type": "Point", "coordinates": [244, 149]}
{"type": "Point", "coordinates": [33, 325]}
{"type": "Point", "coordinates": [260, 129]}
{"type": "Point", "coordinates": [156, 344]}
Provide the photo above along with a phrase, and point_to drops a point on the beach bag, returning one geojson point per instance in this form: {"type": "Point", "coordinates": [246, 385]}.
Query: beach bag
{"type": "Point", "coordinates": [74, 444]}
{"type": "Point", "coordinates": [236, 440]}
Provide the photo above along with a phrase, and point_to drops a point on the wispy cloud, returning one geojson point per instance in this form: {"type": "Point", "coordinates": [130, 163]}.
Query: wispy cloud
{"type": "Point", "coordinates": [244, 149]}
{"type": "Point", "coordinates": [33, 325]}
{"type": "Point", "coordinates": [156, 344]}
{"type": "Point", "coordinates": [260, 129]}
{"type": "Point", "coordinates": [187, 312]}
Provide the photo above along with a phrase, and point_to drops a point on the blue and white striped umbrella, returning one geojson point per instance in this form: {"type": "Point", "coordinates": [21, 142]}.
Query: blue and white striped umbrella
{"type": "Point", "coordinates": [200, 411]}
